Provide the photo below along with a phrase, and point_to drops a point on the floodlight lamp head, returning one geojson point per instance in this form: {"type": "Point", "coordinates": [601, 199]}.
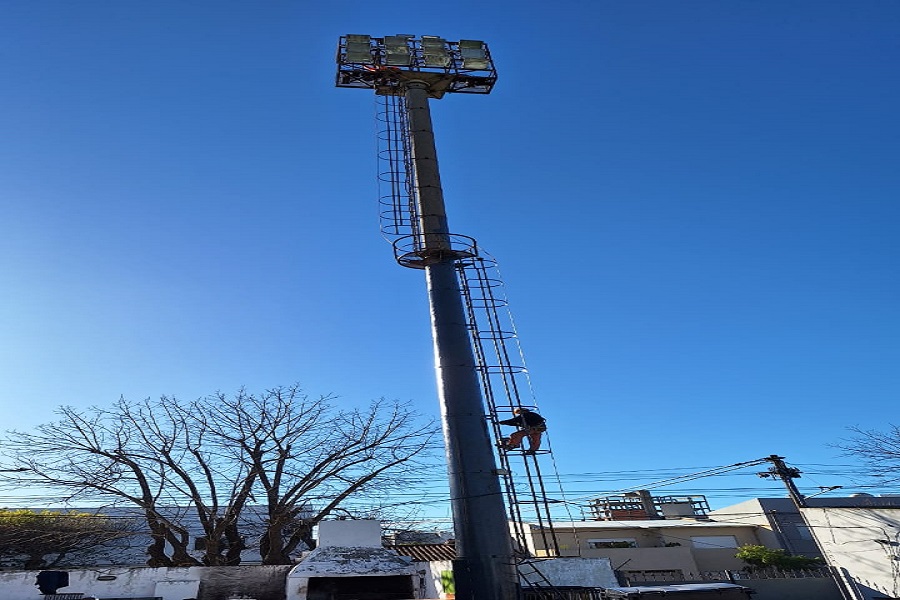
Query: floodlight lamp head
{"type": "Point", "coordinates": [387, 65]}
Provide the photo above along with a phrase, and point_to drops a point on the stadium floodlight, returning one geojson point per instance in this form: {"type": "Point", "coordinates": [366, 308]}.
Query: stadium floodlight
{"type": "Point", "coordinates": [474, 55]}
{"type": "Point", "coordinates": [396, 49]}
{"type": "Point", "coordinates": [359, 49]}
{"type": "Point", "coordinates": [389, 64]}
{"type": "Point", "coordinates": [418, 70]}
{"type": "Point", "coordinates": [435, 52]}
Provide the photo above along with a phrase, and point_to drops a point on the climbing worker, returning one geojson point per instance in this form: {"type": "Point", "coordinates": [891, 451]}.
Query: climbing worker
{"type": "Point", "coordinates": [530, 424]}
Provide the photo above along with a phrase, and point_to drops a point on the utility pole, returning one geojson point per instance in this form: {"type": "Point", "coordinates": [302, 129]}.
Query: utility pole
{"type": "Point", "coordinates": [787, 475]}
{"type": "Point", "coordinates": [418, 70]}
{"type": "Point", "coordinates": [846, 585]}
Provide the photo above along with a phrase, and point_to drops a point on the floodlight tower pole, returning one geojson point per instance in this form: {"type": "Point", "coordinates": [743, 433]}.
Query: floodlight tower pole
{"type": "Point", "coordinates": [484, 569]}
{"type": "Point", "coordinates": [418, 70]}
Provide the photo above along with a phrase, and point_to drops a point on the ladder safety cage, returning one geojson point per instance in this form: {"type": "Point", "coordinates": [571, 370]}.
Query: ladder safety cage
{"type": "Point", "coordinates": [495, 342]}
{"type": "Point", "coordinates": [396, 190]}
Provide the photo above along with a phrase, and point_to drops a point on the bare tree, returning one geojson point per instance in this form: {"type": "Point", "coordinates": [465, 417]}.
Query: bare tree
{"type": "Point", "coordinates": [879, 451]}
{"type": "Point", "coordinates": [206, 461]}
{"type": "Point", "coordinates": [146, 454]}
{"type": "Point", "coordinates": [310, 458]}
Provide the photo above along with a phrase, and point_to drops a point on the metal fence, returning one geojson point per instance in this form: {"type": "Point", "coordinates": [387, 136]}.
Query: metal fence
{"type": "Point", "coordinates": [725, 576]}
{"type": "Point", "coordinates": [562, 593]}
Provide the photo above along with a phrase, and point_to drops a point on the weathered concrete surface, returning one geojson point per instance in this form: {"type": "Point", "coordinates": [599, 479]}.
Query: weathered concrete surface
{"type": "Point", "coordinates": [582, 572]}
{"type": "Point", "coordinates": [334, 561]}
{"type": "Point", "coordinates": [215, 583]}
{"type": "Point", "coordinates": [820, 588]}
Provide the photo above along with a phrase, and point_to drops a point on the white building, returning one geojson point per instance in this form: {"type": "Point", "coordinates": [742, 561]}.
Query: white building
{"type": "Point", "coordinates": [664, 547]}
{"type": "Point", "coordinates": [859, 536]}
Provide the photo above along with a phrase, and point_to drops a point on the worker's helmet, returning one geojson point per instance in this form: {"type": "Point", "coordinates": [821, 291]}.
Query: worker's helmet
{"type": "Point", "coordinates": [520, 410]}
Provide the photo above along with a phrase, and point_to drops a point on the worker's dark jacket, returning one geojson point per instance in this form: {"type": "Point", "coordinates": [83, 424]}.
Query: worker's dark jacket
{"type": "Point", "coordinates": [526, 420]}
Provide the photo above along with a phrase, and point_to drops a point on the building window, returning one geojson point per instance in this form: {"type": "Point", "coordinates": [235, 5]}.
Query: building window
{"type": "Point", "coordinates": [804, 532]}
{"type": "Point", "coordinates": [714, 541]}
{"type": "Point", "coordinates": [612, 543]}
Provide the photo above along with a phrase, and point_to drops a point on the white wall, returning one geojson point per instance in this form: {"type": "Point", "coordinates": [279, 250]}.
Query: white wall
{"type": "Point", "coordinates": [849, 538]}
{"type": "Point", "coordinates": [173, 583]}
{"type": "Point", "coordinates": [434, 571]}
{"type": "Point", "coordinates": [169, 583]}
{"type": "Point", "coordinates": [19, 585]}
{"type": "Point", "coordinates": [353, 533]}
{"type": "Point", "coordinates": [586, 572]}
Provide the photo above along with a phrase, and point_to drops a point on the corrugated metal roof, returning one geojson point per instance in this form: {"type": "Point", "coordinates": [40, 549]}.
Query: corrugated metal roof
{"type": "Point", "coordinates": [425, 552]}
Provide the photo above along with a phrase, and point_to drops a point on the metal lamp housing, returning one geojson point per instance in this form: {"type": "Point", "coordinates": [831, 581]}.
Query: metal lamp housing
{"type": "Point", "coordinates": [387, 64]}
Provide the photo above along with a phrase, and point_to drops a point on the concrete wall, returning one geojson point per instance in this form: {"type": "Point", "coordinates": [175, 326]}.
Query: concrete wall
{"type": "Point", "coordinates": [779, 520]}
{"type": "Point", "coordinates": [683, 558]}
{"type": "Point", "coordinates": [435, 573]}
{"type": "Point", "coordinates": [717, 559]}
{"type": "Point", "coordinates": [665, 546]}
{"type": "Point", "coordinates": [336, 561]}
{"type": "Point", "coordinates": [356, 533]}
{"type": "Point", "coordinates": [271, 582]}
{"type": "Point", "coordinates": [215, 583]}
{"type": "Point", "coordinates": [584, 572]}
{"type": "Point", "coordinates": [576, 542]}
{"type": "Point", "coordinates": [587, 572]}
{"type": "Point", "coordinates": [649, 559]}
{"type": "Point", "coordinates": [865, 542]}
{"type": "Point", "coordinates": [793, 589]}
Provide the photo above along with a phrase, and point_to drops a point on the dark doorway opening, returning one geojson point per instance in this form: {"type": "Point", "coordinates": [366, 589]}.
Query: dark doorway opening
{"type": "Point", "coordinates": [377, 587]}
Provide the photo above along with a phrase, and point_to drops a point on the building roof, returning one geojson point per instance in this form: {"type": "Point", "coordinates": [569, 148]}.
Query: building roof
{"type": "Point", "coordinates": [425, 552]}
{"type": "Point", "coordinates": [666, 590]}
{"type": "Point", "coordinates": [785, 504]}
{"type": "Point", "coordinates": [645, 524]}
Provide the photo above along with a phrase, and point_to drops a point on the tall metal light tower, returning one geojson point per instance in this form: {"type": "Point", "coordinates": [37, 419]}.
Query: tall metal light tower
{"type": "Point", "coordinates": [416, 70]}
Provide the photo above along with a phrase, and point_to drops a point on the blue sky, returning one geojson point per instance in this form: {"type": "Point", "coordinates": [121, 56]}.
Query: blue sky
{"type": "Point", "coordinates": [694, 206]}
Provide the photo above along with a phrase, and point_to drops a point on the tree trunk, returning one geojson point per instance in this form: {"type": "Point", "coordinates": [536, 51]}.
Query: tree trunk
{"type": "Point", "coordinates": [156, 551]}
{"type": "Point", "coordinates": [180, 555]}
{"type": "Point", "coordinates": [272, 542]}
{"type": "Point", "coordinates": [236, 545]}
